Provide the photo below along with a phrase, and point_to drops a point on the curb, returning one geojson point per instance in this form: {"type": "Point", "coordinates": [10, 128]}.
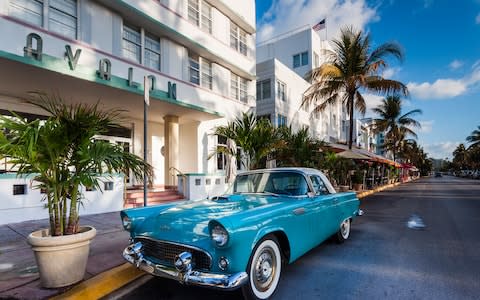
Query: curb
{"type": "Point", "coordinates": [369, 192]}
{"type": "Point", "coordinates": [103, 283]}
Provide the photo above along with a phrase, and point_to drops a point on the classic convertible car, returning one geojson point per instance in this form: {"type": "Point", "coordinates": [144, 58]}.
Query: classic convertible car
{"type": "Point", "coordinates": [242, 239]}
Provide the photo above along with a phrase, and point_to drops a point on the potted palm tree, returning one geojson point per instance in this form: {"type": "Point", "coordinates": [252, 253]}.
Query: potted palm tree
{"type": "Point", "coordinates": [62, 157]}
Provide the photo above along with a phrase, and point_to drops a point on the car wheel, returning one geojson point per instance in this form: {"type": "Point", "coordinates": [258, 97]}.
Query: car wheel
{"type": "Point", "coordinates": [344, 231]}
{"type": "Point", "coordinates": [264, 268]}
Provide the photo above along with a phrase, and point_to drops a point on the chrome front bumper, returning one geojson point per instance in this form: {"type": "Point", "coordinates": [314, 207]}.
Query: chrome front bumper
{"type": "Point", "coordinates": [182, 271]}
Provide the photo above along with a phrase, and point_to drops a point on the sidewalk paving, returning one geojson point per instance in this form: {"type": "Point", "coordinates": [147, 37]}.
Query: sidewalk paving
{"type": "Point", "coordinates": [106, 268]}
{"type": "Point", "coordinates": [18, 271]}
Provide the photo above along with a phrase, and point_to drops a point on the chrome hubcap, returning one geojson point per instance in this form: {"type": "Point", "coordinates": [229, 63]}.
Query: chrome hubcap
{"type": "Point", "coordinates": [345, 229]}
{"type": "Point", "coordinates": [265, 268]}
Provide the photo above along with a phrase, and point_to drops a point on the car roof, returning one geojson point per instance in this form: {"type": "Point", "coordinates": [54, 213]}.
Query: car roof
{"type": "Point", "coordinates": [304, 170]}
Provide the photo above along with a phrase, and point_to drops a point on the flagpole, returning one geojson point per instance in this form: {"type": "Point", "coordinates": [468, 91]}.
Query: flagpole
{"type": "Point", "coordinates": [146, 101]}
{"type": "Point", "coordinates": [326, 35]}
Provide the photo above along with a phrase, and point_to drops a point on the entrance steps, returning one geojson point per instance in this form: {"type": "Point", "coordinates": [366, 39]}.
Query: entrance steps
{"type": "Point", "coordinates": [156, 195]}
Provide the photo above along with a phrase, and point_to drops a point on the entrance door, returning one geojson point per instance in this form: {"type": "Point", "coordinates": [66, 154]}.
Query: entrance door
{"type": "Point", "coordinates": [126, 144]}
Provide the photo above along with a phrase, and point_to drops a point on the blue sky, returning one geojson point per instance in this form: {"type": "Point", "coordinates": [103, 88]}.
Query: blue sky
{"type": "Point", "coordinates": [441, 41]}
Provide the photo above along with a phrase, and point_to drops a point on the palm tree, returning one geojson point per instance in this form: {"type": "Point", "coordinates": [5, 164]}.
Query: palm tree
{"type": "Point", "coordinates": [257, 138]}
{"type": "Point", "coordinates": [353, 68]}
{"type": "Point", "coordinates": [460, 157]}
{"type": "Point", "coordinates": [300, 149]}
{"type": "Point", "coordinates": [397, 126]}
{"type": "Point", "coordinates": [62, 154]}
{"type": "Point", "coordinates": [474, 138]}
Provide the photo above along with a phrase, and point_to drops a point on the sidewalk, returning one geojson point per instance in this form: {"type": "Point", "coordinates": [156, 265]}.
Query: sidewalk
{"type": "Point", "coordinates": [18, 272]}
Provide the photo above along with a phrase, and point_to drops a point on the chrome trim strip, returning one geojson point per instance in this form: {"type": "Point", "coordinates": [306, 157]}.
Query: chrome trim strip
{"type": "Point", "coordinates": [299, 211]}
{"type": "Point", "coordinates": [211, 280]}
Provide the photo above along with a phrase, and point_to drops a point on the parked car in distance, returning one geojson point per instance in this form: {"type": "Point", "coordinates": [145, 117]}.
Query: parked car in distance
{"type": "Point", "coordinates": [244, 238]}
{"type": "Point", "coordinates": [438, 174]}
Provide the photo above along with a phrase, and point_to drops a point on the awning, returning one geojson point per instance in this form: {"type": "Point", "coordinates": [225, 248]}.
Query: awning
{"type": "Point", "coordinates": [356, 153]}
{"type": "Point", "coordinates": [351, 154]}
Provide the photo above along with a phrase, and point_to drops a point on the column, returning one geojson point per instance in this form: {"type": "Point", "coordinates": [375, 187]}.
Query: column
{"type": "Point", "coordinates": [171, 147]}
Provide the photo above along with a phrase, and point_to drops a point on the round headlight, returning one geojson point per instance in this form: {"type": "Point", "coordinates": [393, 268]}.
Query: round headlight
{"type": "Point", "coordinates": [219, 235]}
{"type": "Point", "coordinates": [126, 222]}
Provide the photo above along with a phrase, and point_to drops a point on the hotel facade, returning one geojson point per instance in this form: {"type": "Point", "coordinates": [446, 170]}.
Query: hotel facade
{"type": "Point", "coordinates": [198, 56]}
{"type": "Point", "coordinates": [282, 63]}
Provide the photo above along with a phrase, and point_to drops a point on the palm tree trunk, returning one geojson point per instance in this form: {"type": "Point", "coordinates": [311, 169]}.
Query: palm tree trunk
{"type": "Point", "coordinates": [73, 215]}
{"type": "Point", "coordinates": [350, 108]}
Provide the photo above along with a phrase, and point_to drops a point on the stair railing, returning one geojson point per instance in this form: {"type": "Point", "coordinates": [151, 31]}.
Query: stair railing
{"type": "Point", "coordinates": [175, 172]}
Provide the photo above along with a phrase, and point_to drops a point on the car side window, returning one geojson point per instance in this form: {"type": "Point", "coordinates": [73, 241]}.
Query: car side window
{"type": "Point", "coordinates": [318, 185]}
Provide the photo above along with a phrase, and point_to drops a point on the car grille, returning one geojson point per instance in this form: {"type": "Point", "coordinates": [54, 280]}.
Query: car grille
{"type": "Point", "coordinates": [165, 253]}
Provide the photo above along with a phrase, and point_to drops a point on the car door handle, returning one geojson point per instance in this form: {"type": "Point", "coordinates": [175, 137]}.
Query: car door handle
{"type": "Point", "coordinates": [299, 211]}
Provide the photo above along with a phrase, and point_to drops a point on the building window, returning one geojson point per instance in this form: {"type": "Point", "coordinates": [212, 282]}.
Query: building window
{"type": "Point", "coordinates": [300, 59]}
{"type": "Point", "coordinates": [206, 17]}
{"type": "Point", "coordinates": [194, 11]}
{"type": "Point", "coordinates": [281, 90]}
{"type": "Point", "coordinates": [131, 43]}
{"type": "Point", "coordinates": [243, 90]}
{"type": "Point", "coordinates": [194, 68]}
{"type": "Point", "coordinates": [221, 158]}
{"type": "Point", "coordinates": [234, 88]}
{"type": "Point", "coordinates": [238, 88]}
{"type": "Point", "coordinates": [281, 120]}
{"type": "Point", "coordinates": [62, 14]}
{"type": "Point", "coordinates": [29, 11]}
{"type": "Point", "coordinates": [204, 21]}
{"type": "Point", "coordinates": [152, 52]}
{"type": "Point", "coordinates": [316, 60]}
{"type": "Point", "coordinates": [238, 39]}
{"type": "Point", "coordinates": [263, 89]}
{"type": "Point", "coordinates": [206, 73]}
{"type": "Point", "coordinates": [63, 17]}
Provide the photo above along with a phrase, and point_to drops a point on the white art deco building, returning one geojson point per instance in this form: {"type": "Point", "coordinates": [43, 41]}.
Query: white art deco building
{"type": "Point", "coordinates": [199, 56]}
{"type": "Point", "coordinates": [282, 63]}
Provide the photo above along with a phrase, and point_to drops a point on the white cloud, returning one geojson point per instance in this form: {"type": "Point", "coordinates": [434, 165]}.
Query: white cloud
{"type": "Point", "coordinates": [477, 19]}
{"type": "Point", "coordinates": [426, 126]}
{"type": "Point", "coordinates": [455, 64]}
{"type": "Point", "coordinates": [371, 101]}
{"type": "Point", "coordinates": [440, 89]}
{"type": "Point", "coordinates": [287, 15]}
{"type": "Point", "coordinates": [440, 150]}
{"type": "Point", "coordinates": [445, 88]}
{"type": "Point", "coordinates": [391, 72]}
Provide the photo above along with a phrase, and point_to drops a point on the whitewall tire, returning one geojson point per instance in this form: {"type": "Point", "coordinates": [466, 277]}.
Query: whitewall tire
{"type": "Point", "coordinates": [344, 231]}
{"type": "Point", "coordinates": [263, 269]}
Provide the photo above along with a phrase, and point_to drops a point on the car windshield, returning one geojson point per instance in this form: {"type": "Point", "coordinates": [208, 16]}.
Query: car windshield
{"type": "Point", "coordinates": [281, 183]}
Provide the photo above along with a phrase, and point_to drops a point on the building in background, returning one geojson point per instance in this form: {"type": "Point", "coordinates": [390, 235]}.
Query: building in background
{"type": "Point", "coordinates": [199, 57]}
{"type": "Point", "coordinates": [282, 63]}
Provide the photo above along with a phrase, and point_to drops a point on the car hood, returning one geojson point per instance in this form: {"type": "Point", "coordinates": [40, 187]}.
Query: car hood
{"type": "Point", "coordinates": [188, 221]}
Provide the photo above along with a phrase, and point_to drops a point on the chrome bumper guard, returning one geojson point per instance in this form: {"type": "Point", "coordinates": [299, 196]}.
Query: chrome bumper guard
{"type": "Point", "coordinates": [182, 271]}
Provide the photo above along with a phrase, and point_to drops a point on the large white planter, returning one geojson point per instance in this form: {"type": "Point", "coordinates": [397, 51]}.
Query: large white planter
{"type": "Point", "coordinates": [61, 260]}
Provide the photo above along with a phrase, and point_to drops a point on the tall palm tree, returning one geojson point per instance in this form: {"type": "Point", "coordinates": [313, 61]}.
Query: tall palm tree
{"type": "Point", "coordinates": [474, 138]}
{"type": "Point", "coordinates": [353, 68]}
{"type": "Point", "coordinates": [398, 126]}
{"type": "Point", "coordinates": [460, 157]}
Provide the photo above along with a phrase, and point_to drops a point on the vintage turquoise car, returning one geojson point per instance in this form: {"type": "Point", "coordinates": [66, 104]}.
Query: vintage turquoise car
{"type": "Point", "coordinates": [242, 239]}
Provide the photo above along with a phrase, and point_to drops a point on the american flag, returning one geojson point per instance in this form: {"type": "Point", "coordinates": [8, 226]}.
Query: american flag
{"type": "Point", "coordinates": [319, 26]}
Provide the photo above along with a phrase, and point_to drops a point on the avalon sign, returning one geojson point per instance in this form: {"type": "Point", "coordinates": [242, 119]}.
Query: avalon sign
{"type": "Point", "coordinates": [104, 70]}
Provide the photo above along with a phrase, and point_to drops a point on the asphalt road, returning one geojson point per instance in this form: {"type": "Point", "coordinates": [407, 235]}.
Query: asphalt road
{"type": "Point", "coordinates": [384, 258]}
